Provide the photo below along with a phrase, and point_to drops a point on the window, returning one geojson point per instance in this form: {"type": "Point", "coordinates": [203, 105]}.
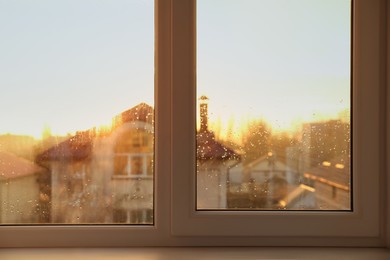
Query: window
{"type": "Point", "coordinates": [82, 90]}
{"type": "Point", "coordinates": [176, 220]}
{"type": "Point", "coordinates": [188, 221]}
{"type": "Point", "coordinates": [277, 106]}
{"type": "Point", "coordinates": [134, 152]}
{"type": "Point", "coordinates": [133, 164]}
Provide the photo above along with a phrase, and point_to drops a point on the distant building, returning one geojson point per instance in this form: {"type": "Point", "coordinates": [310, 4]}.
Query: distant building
{"type": "Point", "coordinates": [265, 168]}
{"type": "Point", "coordinates": [322, 165]}
{"type": "Point", "coordinates": [20, 196]}
{"type": "Point", "coordinates": [332, 183]}
{"type": "Point", "coordinates": [19, 145]}
{"type": "Point", "coordinates": [323, 141]}
{"type": "Point", "coordinates": [259, 184]}
{"type": "Point", "coordinates": [313, 174]}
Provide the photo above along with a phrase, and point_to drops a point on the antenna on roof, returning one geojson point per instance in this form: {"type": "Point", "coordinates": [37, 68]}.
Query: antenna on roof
{"type": "Point", "coordinates": [203, 100]}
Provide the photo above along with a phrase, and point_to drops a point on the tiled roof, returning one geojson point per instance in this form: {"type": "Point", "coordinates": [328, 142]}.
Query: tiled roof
{"type": "Point", "coordinates": [12, 166]}
{"type": "Point", "coordinates": [210, 149]}
{"type": "Point", "coordinates": [76, 148]}
{"type": "Point", "coordinates": [272, 159]}
{"type": "Point", "coordinates": [79, 146]}
{"type": "Point", "coordinates": [142, 112]}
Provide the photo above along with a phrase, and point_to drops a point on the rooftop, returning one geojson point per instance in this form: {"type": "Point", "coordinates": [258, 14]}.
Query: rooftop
{"type": "Point", "coordinates": [79, 146]}
{"type": "Point", "coordinates": [12, 166]}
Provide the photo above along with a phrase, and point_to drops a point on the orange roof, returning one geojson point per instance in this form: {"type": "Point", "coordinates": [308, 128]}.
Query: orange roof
{"type": "Point", "coordinates": [210, 149]}
{"type": "Point", "coordinates": [12, 166]}
{"type": "Point", "coordinates": [79, 146]}
{"type": "Point", "coordinates": [142, 112]}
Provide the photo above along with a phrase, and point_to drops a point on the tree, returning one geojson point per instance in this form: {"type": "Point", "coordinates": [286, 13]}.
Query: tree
{"type": "Point", "coordinates": [256, 140]}
{"type": "Point", "coordinates": [280, 142]}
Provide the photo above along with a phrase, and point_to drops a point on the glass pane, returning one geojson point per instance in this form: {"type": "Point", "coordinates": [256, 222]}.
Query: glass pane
{"type": "Point", "coordinates": [273, 83]}
{"type": "Point", "coordinates": [77, 117]}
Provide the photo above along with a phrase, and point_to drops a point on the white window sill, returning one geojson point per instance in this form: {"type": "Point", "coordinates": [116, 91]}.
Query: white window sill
{"type": "Point", "coordinates": [196, 253]}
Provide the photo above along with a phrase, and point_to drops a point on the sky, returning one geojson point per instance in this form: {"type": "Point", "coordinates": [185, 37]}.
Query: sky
{"type": "Point", "coordinates": [73, 64]}
{"type": "Point", "coordinates": [70, 65]}
{"type": "Point", "coordinates": [286, 61]}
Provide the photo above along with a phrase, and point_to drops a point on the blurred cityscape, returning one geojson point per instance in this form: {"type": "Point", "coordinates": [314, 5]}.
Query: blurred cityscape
{"type": "Point", "coordinates": [105, 175]}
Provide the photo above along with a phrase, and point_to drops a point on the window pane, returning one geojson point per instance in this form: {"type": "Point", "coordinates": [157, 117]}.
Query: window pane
{"type": "Point", "coordinates": [273, 83]}
{"type": "Point", "coordinates": [77, 131]}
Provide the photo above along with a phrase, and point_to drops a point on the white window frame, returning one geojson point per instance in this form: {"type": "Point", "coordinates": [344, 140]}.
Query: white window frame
{"type": "Point", "coordinates": [177, 223]}
{"type": "Point", "coordinates": [129, 171]}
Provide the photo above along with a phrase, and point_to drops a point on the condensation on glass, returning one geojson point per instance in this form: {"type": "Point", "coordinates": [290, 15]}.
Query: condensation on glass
{"type": "Point", "coordinates": [273, 83]}
{"type": "Point", "coordinates": [77, 116]}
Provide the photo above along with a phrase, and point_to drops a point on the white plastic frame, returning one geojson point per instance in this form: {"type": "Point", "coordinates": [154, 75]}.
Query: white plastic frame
{"type": "Point", "coordinates": [365, 222]}
{"type": "Point", "coordinates": [123, 235]}
{"type": "Point", "coordinates": [176, 221]}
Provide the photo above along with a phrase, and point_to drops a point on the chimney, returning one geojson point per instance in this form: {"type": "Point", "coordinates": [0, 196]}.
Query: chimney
{"type": "Point", "coordinates": [203, 101]}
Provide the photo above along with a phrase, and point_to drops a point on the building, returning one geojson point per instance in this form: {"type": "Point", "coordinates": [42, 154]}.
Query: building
{"type": "Point", "coordinates": [214, 160]}
{"type": "Point", "coordinates": [324, 187]}
{"type": "Point", "coordinates": [323, 141]}
{"type": "Point", "coordinates": [19, 145]}
{"type": "Point", "coordinates": [332, 183]}
{"type": "Point", "coordinates": [20, 196]}
{"type": "Point", "coordinates": [105, 176]}
{"type": "Point", "coordinates": [260, 184]}
{"type": "Point", "coordinates": [322, 165]}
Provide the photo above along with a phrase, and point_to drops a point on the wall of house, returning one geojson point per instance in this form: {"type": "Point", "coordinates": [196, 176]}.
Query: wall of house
{"type": "Point", "coordinates": [19, 200]}
{"type": "Point", "coordinates": [211, 185]}
{"type": "Point", "coordinates": [124, 192]}
{"type": "Point", "coordinates": [92, 190]}
{"type": "Point", "coordinates": [71, 189]}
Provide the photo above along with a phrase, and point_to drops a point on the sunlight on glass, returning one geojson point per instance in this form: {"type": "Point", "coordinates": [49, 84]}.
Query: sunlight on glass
{"type": "Point", "coordinates": [273, 83]}
{"type": "Point", "coordinates": [77, 117]}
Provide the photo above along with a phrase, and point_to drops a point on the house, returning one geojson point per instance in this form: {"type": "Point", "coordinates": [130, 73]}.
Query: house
{"type": "Point", "coordinates": [20, 197]}
{"type": "Point", "coordinates": [105, 176]}
{"type": "Point", "coordinates": [259, 184]}
{"type": "Point", "coordinates": [214, 160]}
{"type": "Point", "coordinates": [19, 145]}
